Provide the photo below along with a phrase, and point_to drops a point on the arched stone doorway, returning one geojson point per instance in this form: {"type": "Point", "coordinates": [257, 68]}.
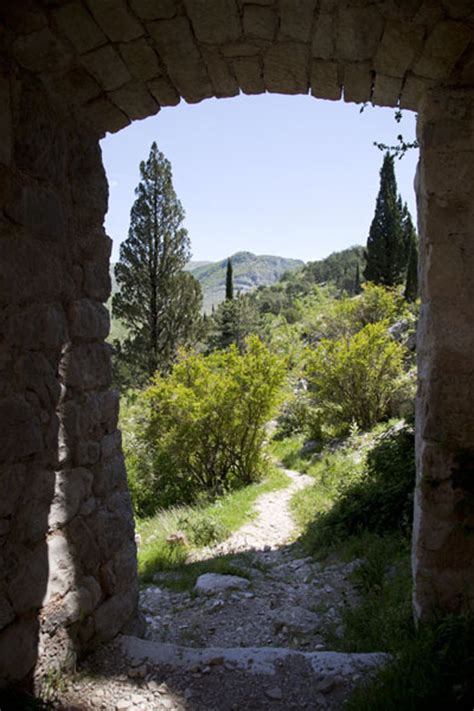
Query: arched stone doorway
{"type": "Point", "coordinates": [69, 72]}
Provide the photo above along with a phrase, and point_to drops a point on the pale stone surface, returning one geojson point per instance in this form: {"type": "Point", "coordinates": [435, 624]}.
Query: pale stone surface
{"type": "Point", "coordinates": [442, 554]}
{"type": "Point", "coordinates": [213, 583]}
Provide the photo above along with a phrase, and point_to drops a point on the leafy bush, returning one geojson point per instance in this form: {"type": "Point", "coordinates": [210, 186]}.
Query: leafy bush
{"type": "Point", "coordinates": [380, 501]}
{"type": "Point", "coordinates": [354, 378]}
{"type": "Point", "coordinates": [202, 530]}
{"type": "Point", "coordinates": [434, 670]}
{"type": "Point", "coordinates": [200, 431]}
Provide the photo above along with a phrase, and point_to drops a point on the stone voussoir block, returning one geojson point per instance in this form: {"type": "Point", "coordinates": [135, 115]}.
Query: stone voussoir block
{"type": "Point", "coordinates": [141, 59]}
{"type": "Point", "coordinates": [115, 19]}
{"type": "Point", "coordinates": [260, 21]}
{"type": "Point", "coordinates": [286, 68]}
{"type": "Point", "coordinates": [214, 21]}
{"type": "Point", "coordinates": [135, 100]}
{"type": "Point", "coordinates": [77, 24]}
{"type": "Point", "coordinates": [107, 67]}
{"type": "Point", "coordinates": [184, 64]}
{"type": "Point", "coordinates": [296, 19]}
{"type": "Point", "coordinates": [155, 9]}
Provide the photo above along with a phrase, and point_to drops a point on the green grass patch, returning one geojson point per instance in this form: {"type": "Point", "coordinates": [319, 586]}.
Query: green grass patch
{"type": "Point", "coordinates": [201, 525]}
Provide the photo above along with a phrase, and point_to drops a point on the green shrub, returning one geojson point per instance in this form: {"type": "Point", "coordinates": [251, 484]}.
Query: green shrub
{"type": "Point", "coordinates": [434, 670]}
{"type": "Point", "coordinates": [381, 500]}
{"type": "Point", "coordinates": [200, 431]}
{"type": "Point", "coordinates": [202, 530]}
{"type": "Point", "coordinates": [354, 378]}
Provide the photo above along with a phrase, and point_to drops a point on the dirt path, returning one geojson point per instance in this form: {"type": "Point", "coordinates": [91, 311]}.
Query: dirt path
{"type": "Point", "coordinates": [273, 527]}
{"type": "Point", "coordinates": [258, 644]}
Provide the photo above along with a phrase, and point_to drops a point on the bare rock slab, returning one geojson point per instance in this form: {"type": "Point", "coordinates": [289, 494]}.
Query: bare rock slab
{"type": "Point", "coordinates": [214, 583]}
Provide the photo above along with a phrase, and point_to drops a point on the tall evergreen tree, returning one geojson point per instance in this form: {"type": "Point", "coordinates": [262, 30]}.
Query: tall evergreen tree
{"type": "Point", "coordinates": [386, 250]}
{"type": "Point", "coordinates": [411, 283]}
{"type": "Point", "coordinates": [158, 303]}
{"type": "Point", "coordinates": [357, 287]}
{"type": "Point", "coordinates": [229, 281]}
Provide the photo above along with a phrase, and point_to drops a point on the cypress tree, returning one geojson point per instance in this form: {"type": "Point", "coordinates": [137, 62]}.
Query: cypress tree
{"type": "Point", "coordinates": [229, 281]}
{"type": "Point", "coordinates": [411, 283]}
{"type": "Point", "coordinates": [158, 303]}
{"type": "Point", "coordinates": [386, 250]}
{"type": "Point", "coordinates": [357, 287]}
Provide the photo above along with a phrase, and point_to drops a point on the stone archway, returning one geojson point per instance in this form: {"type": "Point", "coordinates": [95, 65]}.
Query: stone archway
{"type": "Point", "coordinates": [69, 72]}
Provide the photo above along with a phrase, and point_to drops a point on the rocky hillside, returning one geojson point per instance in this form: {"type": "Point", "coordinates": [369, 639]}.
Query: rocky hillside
{"type": "Point", "coordinates": [250, 272]}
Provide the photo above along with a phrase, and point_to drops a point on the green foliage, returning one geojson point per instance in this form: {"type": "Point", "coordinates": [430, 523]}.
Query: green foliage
{"type": "Point", "coordinates": [201, 430]}
{"type": "Point", "coordinates": [411, 283]}
{"type": "Point", "coordinates": [231, 324]}
{"type": "Point", "coordinates": [202, 524]}
{"type": "Point", "coordinates": [433, 670]}
{"type": "Point", "coordinates": [339, 268]}
{"type": "Point", "coordinates": [353, 378]}
{"type": "Point", "coordinates": [386, 250]}
{"type": "Point", "coordinates": [379, 500]}
{"type": "Point", "coordinates": [156, 301]}
{"type": "Point", "coordinates": [382, 619]}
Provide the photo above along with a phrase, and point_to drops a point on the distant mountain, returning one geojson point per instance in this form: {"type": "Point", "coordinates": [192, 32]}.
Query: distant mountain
{"type": "Point", "coordinates": [250, 271]}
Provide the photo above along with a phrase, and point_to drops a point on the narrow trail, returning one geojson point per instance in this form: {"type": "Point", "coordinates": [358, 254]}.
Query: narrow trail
{"type": "Point", "coordinates": [272, 527]}
{"type": "Point", "coordinates": [255, 642]}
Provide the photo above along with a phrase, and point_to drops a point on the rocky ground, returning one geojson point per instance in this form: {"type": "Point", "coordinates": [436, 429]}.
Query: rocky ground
{"type": "Point", "coordinates": [254, 641]}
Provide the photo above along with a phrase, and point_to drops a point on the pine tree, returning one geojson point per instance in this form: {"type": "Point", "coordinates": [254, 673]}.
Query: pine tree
{"type": "Point", "coordinates": [386, 250]}
{"type": "Point", "coordinates": [158, 303]}
{"type": "Point", "coordinates": [229, 281]}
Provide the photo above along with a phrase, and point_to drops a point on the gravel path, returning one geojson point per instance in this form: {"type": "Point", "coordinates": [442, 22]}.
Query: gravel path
{"type": "Point", "coordinates": [202, 651]}
{"type": "Point", "coordinates": [273, 526]}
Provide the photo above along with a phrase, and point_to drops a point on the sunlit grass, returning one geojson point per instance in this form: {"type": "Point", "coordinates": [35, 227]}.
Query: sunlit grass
{"type": "Point", "coordinates": [201, 525]}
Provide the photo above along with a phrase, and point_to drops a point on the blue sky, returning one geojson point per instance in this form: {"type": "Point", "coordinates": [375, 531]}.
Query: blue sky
{"type": "Point", "coordinates": [271, 174]}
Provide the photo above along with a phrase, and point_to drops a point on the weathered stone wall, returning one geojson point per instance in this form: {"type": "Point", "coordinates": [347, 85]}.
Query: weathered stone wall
{"type": "Point", "coordinates": [114, 61]}
{"type": "Point", "coordinates": [443, 552]}
{"type": "Point", "coordinates": [67, 551]}
{"type": "Point", "coordinates": [69, 72]}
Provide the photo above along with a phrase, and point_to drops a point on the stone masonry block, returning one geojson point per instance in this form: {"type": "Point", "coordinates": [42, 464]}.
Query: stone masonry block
{"type": "Point", "coordinates": [398, 48]}
{"type": "Point", "coordinates": [88, 320]}
{"type": "Point", "coordinates": [18, 649]}
{"type": "Point", "coordinates": [97, 283]}
{"type": "Point", "coordinates": [75, 86]}
{"type": "Point", "coordinates": [325, 80]}
{"type": "Point", "coordinates": [140, 59]}
{"type": "Point", "coordinates": [104, 116]}
{"type": "Point", "coordinates": [41, 51]}
{"type": "Point", "coordinates": [214, 21]}
{"type": "Point", "coordinates": [178, 50]}
{"type": "Point", "coordinates": [260, 21]}
{"type": "Point", "coordinates": [443, 48]}
{"type": "Point", "coordinates": [286, 68]}
{"type": "Point", "coordinates": [29, 271]}
{"type": "Point", "coordinates": [77, 24]}
{"type": "Point", "coordinates": [87, 366]}
{"type": "Point", "coordinates": [223, 81]}
{"type": "Point", "coordinates": [323, 44]}
{"type": "Point", "coordinates": [6, 144]}
{"type": "Point", "coordinates": [249, 73]}
{"type": "Point", "coordinates": [387, 90]}
{"type": "Point", "coordinates": [72, 488]}
{"type": "Point", "coordinates": [360, 29]}
{"type": "Point", "coordinates": [357, 82]}
{"type": "Point", "coordinates": [20, 435]}
{"type": "Point", "coordinates": [155, 9]}
{"type": "Point", "coordinates": [135, 100]}
{"type": "Point", "coordinates": [163, 91]}
{"type": "Point", "coordinates": [37, 327]}
{"type": "Point", "coordinates": [296, 19]}
{"type": "Point", "coordinates": [115, 19]}
{"type": "Point", "coordinates": [107, 67]}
